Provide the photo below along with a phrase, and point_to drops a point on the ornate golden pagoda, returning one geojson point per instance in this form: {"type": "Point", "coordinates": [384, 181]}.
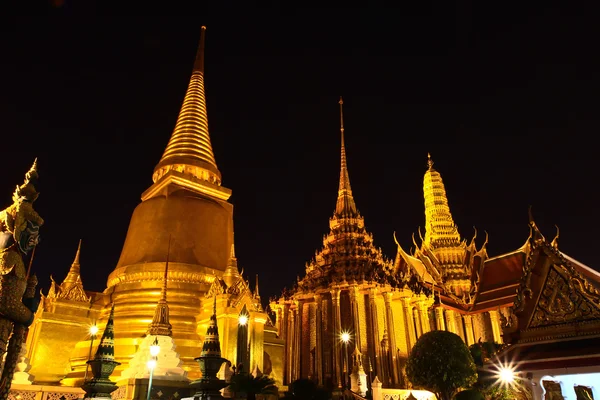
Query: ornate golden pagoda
{"type": "Point", "coordinates": [188, 204]}
{"type": "Point", "coordinates": [184, 220]}
{"type": "Point", "coordinates": [350, 291]}
{"type": "Point", "coordinates": [443, 258]}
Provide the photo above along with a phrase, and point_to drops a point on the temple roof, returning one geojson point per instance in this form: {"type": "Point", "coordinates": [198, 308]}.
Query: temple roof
{"type": "Point", "coordinates": [348, 252]}
{"type": "Point", "coordinates": [72, 287]}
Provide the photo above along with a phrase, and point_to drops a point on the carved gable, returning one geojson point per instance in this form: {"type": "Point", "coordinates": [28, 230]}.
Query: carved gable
{"type": "Point", "coordinates": [563, 299]}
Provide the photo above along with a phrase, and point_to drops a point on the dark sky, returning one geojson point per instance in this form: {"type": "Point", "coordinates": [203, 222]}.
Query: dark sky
{"type": "Point", "coordinates": [506, 101]}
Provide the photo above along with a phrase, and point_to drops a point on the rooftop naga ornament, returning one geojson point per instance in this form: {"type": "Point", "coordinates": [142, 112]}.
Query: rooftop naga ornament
{"type": "Point", "coordinates": [19, 234]}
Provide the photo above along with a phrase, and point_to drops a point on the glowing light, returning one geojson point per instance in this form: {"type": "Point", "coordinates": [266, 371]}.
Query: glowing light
{"type": "Point", "coordinates": [155, 348]}
{"type": "Point", "coordinates": [345, 336]}
{"type": "Point", "coordinates": [93, 330]}
{"type": "Point", "coordinates": [506, 375]}
{"type": "Point", "coordinates": [243, 319]}
{"type": "Point", "coordinates": [151, 364]}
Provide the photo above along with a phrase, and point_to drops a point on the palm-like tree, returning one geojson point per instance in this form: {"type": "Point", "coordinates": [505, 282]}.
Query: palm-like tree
{"type": "Point", "coordinates": [244, 383]}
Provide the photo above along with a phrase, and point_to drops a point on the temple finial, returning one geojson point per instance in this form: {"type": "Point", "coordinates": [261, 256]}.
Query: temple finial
{"type": "Point", "coordinates": [189, 151]}
{"type": "Point", "coordinates": [199, 63]}
{"type": "Point", "coordinates": [163, 294]}
{"type": "Point", "coordinates": [256, 294]}
{"type": "Point", "coordinates": [160, 324]}
{"type": "Point", "coordinates": [215, 305]}
{"type": "Point", "coordinates": [440, 230]}
{"type": "Point", "coordinates": [74, 272]}
{"type": "Point", "coordinates": [345, 202]}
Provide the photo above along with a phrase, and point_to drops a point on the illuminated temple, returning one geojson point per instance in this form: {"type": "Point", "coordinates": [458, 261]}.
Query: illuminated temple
{"type": "Point", "coordinates": [178, 256]}
{"type": "Point", "coordinates": [356, 315]}
{"type": "Point", "coordinates": [351, 319]}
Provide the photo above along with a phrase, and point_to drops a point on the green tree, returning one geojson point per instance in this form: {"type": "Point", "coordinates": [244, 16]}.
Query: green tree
{"type": "Point", "coordinates": [244, 383]}
{"type": "Point", "coordinates": [441, 363]}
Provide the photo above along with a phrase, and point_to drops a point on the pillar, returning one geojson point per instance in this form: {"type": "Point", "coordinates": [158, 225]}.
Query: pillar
{"type": "Point", "coordinates": [337, 329]}
{"type": "Point", "coordinates": [392, 335]}
{"type": "Point", "coordinates": [439, 318]}
{"type": "Point", "coordinates": [424, 316]}
{"type": "Point", "coordinates": [375, 330]}
{"type": "Point", "coordinates": [496, 330]}
{"type": "Point", "coordinates": [468, 320]}
{"type": "Point", "coordinates": [451, 321]}
{"type": "Point", "coordinates": [297, 341]}
{"type": "Point", "coordinates": [353, 292]}
{"type": "Point", "coordinates": [289, 346]}
{"type": "Point", "coordinates": [257, 340]}
{"type": "Point", "coordinates": [417, 319]}
{"type": "Point", "coordinates": [319, 339]}
{"type": "Point", "coordinates": [376, 389]}
{"type": "Point", "coordinates": [410, 323]}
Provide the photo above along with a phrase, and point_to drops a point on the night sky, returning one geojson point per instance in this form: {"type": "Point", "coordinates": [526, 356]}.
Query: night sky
{"type": "Point", "coordinates": [505, 100]}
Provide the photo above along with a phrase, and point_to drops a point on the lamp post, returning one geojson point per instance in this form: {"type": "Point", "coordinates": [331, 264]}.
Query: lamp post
{"type": "Point", "coordinates": [93, 331]}
{"type": "Point", "coordinates": [345, 337]}
{"type": "Point", "coordinates": [154, 350]}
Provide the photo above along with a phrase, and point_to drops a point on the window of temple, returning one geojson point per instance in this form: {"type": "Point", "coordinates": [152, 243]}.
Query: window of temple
{"type": "Point", "coordinates": [584, 392]}
{"type": "Point", "coordinates": [553, 391]}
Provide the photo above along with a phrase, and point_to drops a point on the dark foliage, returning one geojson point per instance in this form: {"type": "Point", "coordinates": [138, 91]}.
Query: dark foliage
{"type": "Point", "coordinates": [441, 363]}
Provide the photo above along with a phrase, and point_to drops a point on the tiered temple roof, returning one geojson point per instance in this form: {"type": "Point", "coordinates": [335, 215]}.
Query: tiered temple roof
{"type": "Point", "coordinates": [348, 252]}
{"type": "Point", "coordinates": [443, 260]}
{"type": "Point", "coordinates": [72, 287]}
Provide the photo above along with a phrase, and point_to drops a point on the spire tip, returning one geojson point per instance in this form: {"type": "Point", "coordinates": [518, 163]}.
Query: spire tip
{"type": "Point", "coordinates": [429, 161]}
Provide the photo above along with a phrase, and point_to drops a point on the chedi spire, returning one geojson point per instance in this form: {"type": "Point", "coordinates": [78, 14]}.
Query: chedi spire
{"type": "Point", "coordinates": [440, 230]}
{"type": "Point", "coordinates": [189, 150]}
{"type": "Point", "coordinates": [345, 205]}
{"type": "Point", "coordinates": [160, 323]}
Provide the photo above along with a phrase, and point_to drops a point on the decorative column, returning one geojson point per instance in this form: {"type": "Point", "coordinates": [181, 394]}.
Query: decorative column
{"type": "Point", "coordinates": [319, 339]}
{"type": "Point", "coordinates": [410, 324]}
{"type": "Point", "coordinates": [387, 296]}
{"type": "Point", "coordinates": [283, 312]}
{"type": "Point", "coordinates": [353, 292]}
{"type": "Point", "coordinates": [451, 321]}
{"type": "Point", "coordinates": [468, 319]}
{"type": "Point", "coordinates": [424, 316]}
{"type": "Point", "coordinates": [337, 329]}
{"type": "Point", "coordinates": [439, 318]}
{"type": "Point", "coordinates": [375, 332]}
{"type": "Point", "coordinates": [495, 320]}
{"type": "Point", "coordinates": [257, 351]}
{"type": "Point", "coordinates": [297, 340]}
{"type": "Point", "coordinates": [376, 389]}
{"type": "Point", "coordinates": [417, 319]}
{"type": "Point", "coordinates": [289, 347]}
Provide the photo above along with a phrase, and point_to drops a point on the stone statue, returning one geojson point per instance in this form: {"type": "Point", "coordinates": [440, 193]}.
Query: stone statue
{"type": "Point", "coordinates": [19, 234]}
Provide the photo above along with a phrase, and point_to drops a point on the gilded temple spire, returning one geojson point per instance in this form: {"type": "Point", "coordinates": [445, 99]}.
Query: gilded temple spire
{"type": "Point", "coordinates": [160, 323]}
{"type": "Point", "coordinates": [345, 205]}
{"type": "Point", "coordinates": [440, 230]}
{"type": "Point", "coordinates": [72, 287]}
{"type": "Point", "coordinates": [256, 293]}
{"type": "Point", "coordinates": [189, 150]}
{"type": "Point", "coordinates": [74, 274]}
{"type": "Point", "coordinates": [232, 273]}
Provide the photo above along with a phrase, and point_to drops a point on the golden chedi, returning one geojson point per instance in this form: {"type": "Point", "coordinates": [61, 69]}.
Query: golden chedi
{"type": "Point", "coordinates": [187, 204]}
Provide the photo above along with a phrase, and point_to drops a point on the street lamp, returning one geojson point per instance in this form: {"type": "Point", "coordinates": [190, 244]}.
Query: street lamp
{"type": "Point", "coordinates": [345, 337]}
{"type": "Point", "coordinates": [243, 319]}
{"type": "Point", "coordinates": [151, 364]}
{"type": "Point", "coordinates": [93, 331]}
{"type": "Point", "coordinates": [506, 375]}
